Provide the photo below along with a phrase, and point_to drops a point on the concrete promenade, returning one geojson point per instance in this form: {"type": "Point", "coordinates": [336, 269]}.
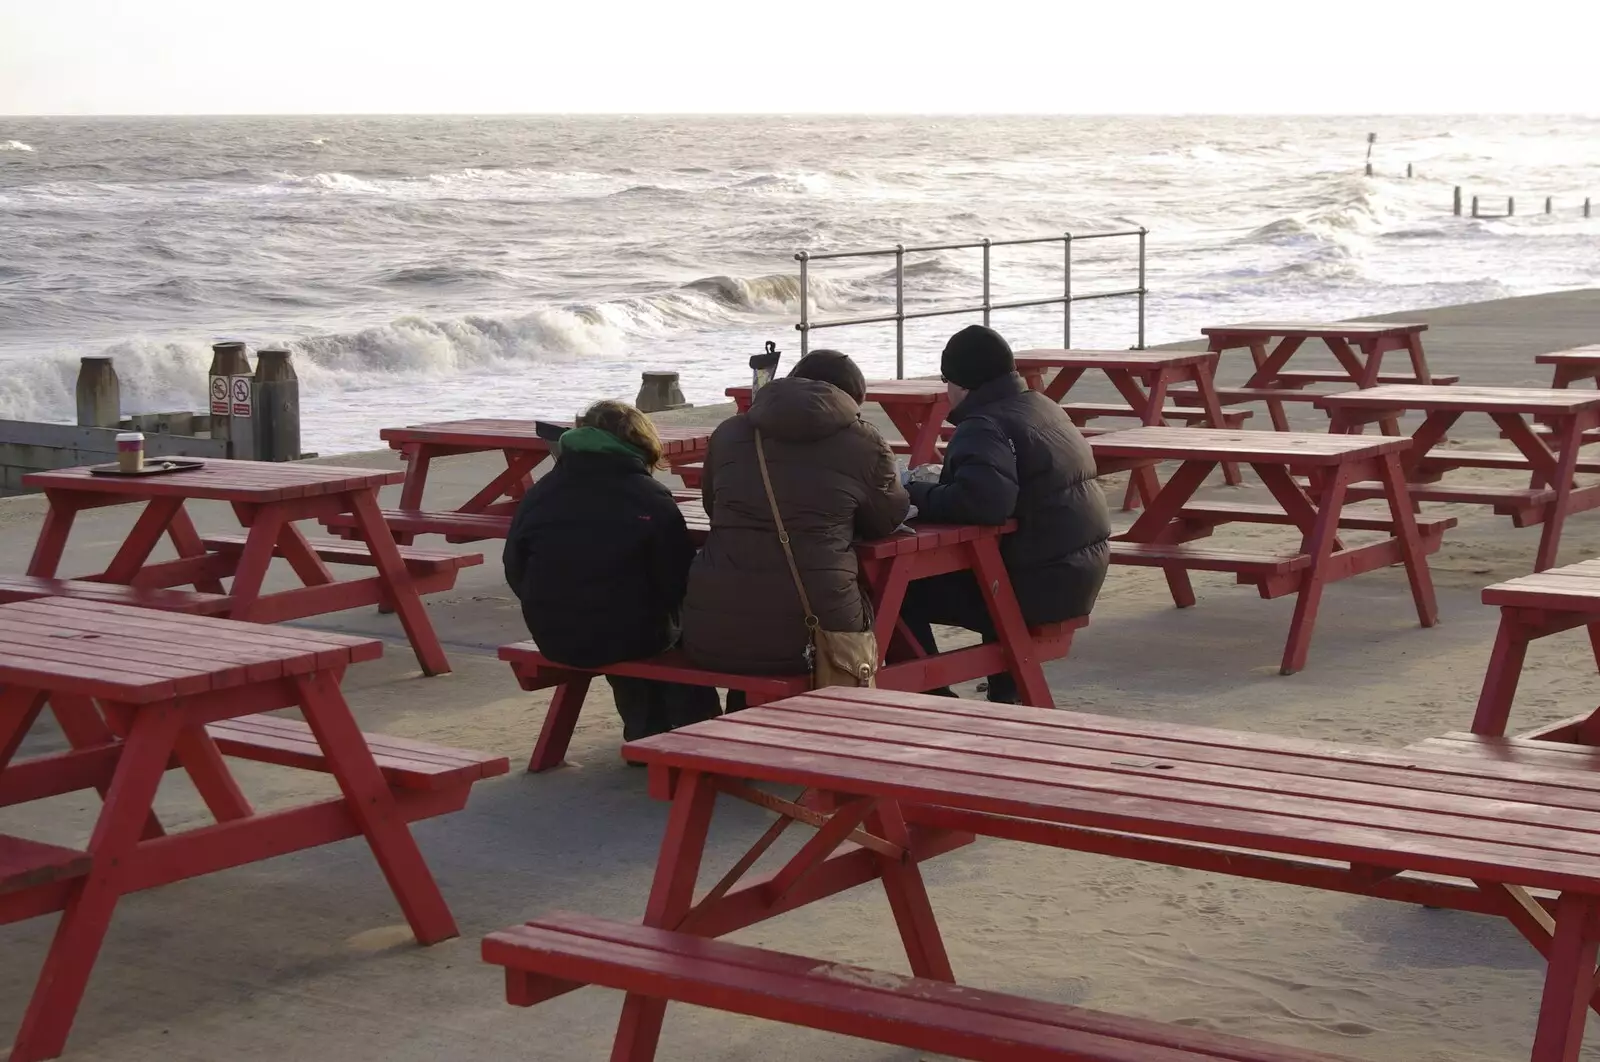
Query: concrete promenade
{"type": "Point", "coordinates": [306, 957]}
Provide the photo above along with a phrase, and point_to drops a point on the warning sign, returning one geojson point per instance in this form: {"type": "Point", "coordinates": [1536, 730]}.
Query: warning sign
{"type": "Point", "coordinates": [241, 395]}
{"type": "Point", "coordinates": [219, 396]}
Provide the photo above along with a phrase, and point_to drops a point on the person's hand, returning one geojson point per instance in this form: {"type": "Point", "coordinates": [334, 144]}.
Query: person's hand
{"type": "Point", "coordinates": [924, 474]}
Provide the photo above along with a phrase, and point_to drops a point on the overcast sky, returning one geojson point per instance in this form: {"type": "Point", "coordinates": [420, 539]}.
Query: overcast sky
{"type": "Point", "coordinates": [987, 56]}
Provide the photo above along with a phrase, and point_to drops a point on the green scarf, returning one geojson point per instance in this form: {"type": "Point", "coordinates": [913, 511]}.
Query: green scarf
{"type": "Point", "coordinates": [597, 441]}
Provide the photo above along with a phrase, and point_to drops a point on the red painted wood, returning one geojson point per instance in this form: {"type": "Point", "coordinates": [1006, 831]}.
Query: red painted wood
{"type": "Point", "coordinates": [404, 763]}
{"type": "Point", "coordinates": [1207, 444]}
{"type": "Point", "coordinates": [28, 588]}
{"type": "Point", "coordinates": [1388, 835]}
{"type": "Point", "coordinates": [912, 1012]}
{"type": "Point", "coordinates": [1261, 330]}
{"type": "Point", "coordinates": [419, 560]}
{"type": "Point", "coordinates": [25, 864]}
{"type": "Point", "coordinates": [1206, 557]}
{"type": "Point", "coordinates": [1296, 378]}
{"type": "Point", "coordinates": [1464, 398]}
{"type": "Point", "coordinates": [230, 481]}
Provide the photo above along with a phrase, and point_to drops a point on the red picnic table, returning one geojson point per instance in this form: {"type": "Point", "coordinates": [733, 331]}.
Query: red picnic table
{"type": "Point", "coordinates": [487, 514]}
{"type": "Point", "coordinates": [1573, 366]}
{"type": "Point", "coordinates": [887, 566]}
{"type": "Point", "coordinates": [1358, 347]}
{"type": "Point", "coordinates": [1143, 378]}
{"type": "Point", "coordinates": [1552, 494]}
{"type": "Point", "coordinates": [916, 408]}
{"type": "Point", "coordinates": [268, 500]}
{"type": "Point", "coordinates": [139, 692]}
{"type": "Point", "coordinates": [889, 780]}
{"type": "Point", "coordinates": [1166, 534]}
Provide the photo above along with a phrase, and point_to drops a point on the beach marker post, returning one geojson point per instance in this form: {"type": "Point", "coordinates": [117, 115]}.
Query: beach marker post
{"type": "Point", "coordinates": [277, 406]}
{"type": "Point", "coordinates": [99, 393]}
{"type": "Point", "coordinates": [229, 366]}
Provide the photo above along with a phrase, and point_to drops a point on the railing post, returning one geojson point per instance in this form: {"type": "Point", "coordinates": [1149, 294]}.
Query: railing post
{"type": "Point", "coordinates": [1143, 232]}
{"type": "Point", "coordinates": [1066, 291]}
{"type": "Point", "coordinates": [805, 298]}
{"type": "Point", "coordinates": [899, 311]}
{"type": "Point", "coordinates": [986, 299]}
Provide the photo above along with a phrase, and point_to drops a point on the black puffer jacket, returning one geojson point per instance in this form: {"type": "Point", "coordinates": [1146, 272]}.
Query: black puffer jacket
{"type": "Point", "coordinates": [1016, 454]}
{"type": "Point", "coordinates": [599, 556]}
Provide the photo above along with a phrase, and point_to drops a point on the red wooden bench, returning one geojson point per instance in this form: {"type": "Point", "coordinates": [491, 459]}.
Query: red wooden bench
{"type": "Point", "coordinates": [433, 570]}
{"type": "Point", "coordinates": [1202, 515]}
{"type": "Point", "coordinates": [1531, 607]}
{"type": "Point", "coordinates": [535, 671]}
{"type": "Point", "coordinates": [32, 587]}
{"type": "Point", "coordinates": [915, 1012]}
{"type": "Point", "coordinates": [407, 524]}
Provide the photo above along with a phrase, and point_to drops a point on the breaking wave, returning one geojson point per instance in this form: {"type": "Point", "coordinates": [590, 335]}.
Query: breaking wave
{"type": "Point", "coordinates": [15, 145]}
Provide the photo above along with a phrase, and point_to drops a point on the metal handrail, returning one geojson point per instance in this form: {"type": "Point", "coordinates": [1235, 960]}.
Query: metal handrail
{"type": "Point", "coordinates": [1065, 300]}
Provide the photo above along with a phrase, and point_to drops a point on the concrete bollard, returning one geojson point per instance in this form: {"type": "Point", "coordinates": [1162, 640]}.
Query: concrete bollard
{"type": "Point", "coordinates": [1458, 200]}
{"type": "Point", "coordinates": [277, 407]}
{"type": "Point", "coordinates": [659, 391]}
{"type": "Point", "coordinates": [99, 394]}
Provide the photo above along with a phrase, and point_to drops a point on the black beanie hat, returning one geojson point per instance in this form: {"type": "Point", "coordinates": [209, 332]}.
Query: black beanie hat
{"type": "Point", "coordinates": [830, 366]}
{"type": "Point", "coordinates": [974, 356]}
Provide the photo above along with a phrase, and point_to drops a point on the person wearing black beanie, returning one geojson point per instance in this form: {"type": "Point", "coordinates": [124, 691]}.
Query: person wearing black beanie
{"type": "Point", "coordinates": [1015, 455]}
{"type": "Point", "coordinates": [974, 356]}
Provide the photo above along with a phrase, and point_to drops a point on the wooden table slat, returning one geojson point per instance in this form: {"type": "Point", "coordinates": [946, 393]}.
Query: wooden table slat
{"type": "Point", "coordinates": [1176, 443]}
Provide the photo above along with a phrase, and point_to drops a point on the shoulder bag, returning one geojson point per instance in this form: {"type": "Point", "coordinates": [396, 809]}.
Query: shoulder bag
{"type": "Point", "coordinates": [838, 658]}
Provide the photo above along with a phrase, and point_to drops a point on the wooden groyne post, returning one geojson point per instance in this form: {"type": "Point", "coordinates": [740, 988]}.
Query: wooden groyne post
{"type": "Point", "coordinates": [230, 366]}
{"type": "Point", "coordinates": [277, 407]}
{"type": "Point", "coordinates": [99, 393]}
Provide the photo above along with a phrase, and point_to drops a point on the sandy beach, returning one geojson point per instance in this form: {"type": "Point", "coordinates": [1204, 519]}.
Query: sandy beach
{"type": "Point", "coordinates": [307, 956]}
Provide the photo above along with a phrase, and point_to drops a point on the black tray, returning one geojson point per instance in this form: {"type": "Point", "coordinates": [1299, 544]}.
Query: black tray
{"type": "Point", "coordinates": [160, 466]}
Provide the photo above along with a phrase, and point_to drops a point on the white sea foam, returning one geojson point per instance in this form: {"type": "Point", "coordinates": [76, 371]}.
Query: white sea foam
{"type": "Point", "coordinates": [14, 145]}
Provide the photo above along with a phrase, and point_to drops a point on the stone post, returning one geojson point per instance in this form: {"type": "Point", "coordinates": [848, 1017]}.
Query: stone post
{"type": "Point", "coordinates": [277, 407]}
{"type": "Point", "coordinates": [659, 391]}
{"type": "Point", "coordinates": [99, 394]}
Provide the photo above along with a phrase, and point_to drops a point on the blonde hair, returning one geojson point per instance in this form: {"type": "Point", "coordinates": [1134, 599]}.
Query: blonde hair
{"type": "Point", "coordinates": [629, 425]}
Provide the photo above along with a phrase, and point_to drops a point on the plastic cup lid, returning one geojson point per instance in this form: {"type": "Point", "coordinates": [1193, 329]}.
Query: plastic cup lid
{"type": "Point", "coordinates": [130, 436]}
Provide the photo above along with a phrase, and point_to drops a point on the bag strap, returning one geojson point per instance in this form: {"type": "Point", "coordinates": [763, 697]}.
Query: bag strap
{"type": "Point", "coordinates": [812, 623]}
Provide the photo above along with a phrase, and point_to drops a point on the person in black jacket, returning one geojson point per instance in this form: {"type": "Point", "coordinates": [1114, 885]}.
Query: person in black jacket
{"type": "Point", "coordinates": [599, 557]}
{"type": "Point", "coordinates": [1015, 455]}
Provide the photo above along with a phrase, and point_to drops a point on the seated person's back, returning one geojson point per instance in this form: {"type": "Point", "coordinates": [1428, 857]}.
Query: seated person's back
{"type": "Point", "coordinates": [835, 482]}
{"type": "Point", "coordinates": [1015, 455]}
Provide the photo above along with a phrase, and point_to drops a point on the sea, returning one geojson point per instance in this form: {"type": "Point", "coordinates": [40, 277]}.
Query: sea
{"type": "Point", "coordinates": [427, 268]}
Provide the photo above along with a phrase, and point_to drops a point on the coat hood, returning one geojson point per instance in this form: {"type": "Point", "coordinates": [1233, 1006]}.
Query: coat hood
{"type": "Point", "coordinates": [799, 410]}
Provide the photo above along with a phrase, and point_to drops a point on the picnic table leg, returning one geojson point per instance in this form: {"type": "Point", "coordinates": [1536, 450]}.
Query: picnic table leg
{"type": "Point", "coordinates": [1319, 544]}
{"type": "Point", "coordinates": [19, 708]}
{"type": "Point", "coordinates": [371, 802]}
{"type": "Point", "coordinates": [397, 583]}
{"type": "Point", "coordinates": [1419, 362]}
{"type": "Point", "coordinates": [1569, 979]}
{"type": "Point", "coordinates": [87, 915]}
{"type": "Point", "coordinates": [1267, 368]}
{"type": "Point", "coordinates": [264, 522]}
{"type": "Point", "coordinates": [1569, 430]}
{"type": "Point", "coordinates": [560, 719]}
{"type": "Point", "coordinates": [186, 542]}
{"type": "Point", "coordinates": [1364, 371]}
{"type": "Point", "coordinates": [52, 542]}
{"type": "Point", "coordinates": [887, 583]}
{"type": "Point", "coordinates": [1158, 517]}
{"type": "Point", "coordinates": [919, 426]}
{"type": "Point", "coordinates": [417, 458]}
{"type": "Point", "coordinates": [1146, 404]}
{"type": "Point", "coordinates": [671, 898]}
{"type": "Point", "coordinates": [908, 897]}
{"type": "Point", "coordinates": [1062, 382]}
{"type": "Point", "coordinates": [83, 727]}
{"type": "Point", "coordinates": [1204, 375]}
{"type": "Point", "coordinates": [1500, 681]}
{"type": "Point", "coordinates": [147, 531]}
{"type": "Point", "coordinates": [994, 585]}
{"type": "Point", "coordinates": [1410, 539]}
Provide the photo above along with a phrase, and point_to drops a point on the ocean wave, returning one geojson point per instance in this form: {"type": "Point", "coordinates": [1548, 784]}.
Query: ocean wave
{"type": "Point", "coordinates": [15, 145]}
{"type": "Point", "coordinates": [331, 182]}
{"type": "Point", "coordinates": [439, 274]}
{"type": "Point", "coordinates": [159, 374]}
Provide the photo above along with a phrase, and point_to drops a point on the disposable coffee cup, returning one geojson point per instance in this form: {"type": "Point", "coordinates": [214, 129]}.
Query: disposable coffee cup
{"type": "Point", "coordinates": [130, 451]}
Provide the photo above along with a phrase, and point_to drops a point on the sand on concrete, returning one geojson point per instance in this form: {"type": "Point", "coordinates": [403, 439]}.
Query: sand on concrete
{"type": "Point", "coordinates": [307, 957]}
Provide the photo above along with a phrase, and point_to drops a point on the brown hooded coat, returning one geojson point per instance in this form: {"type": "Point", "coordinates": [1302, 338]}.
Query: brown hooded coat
{"type": "Point", "coordinates": [836, 483]}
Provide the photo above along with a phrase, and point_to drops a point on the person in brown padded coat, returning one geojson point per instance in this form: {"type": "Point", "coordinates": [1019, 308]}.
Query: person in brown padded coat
{"type": "Point", "coordinates": [836, 482]}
